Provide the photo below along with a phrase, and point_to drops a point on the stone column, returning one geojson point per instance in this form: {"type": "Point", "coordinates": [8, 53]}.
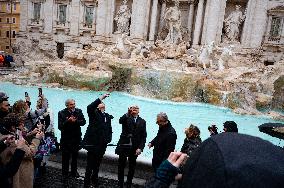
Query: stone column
{"type": "Point", "coordinates": [24, 15]}
{"type": "Point", "coordinates": [105, 14]}
{"type": "Point", "coordinates": [153, 25]}
{"type": "Point", "coordinates": [48, 18]}
{"type": "Point", "coordinates": [198, 23]}
{"type": "Point", "coordinates": [190, 17]}
{"type": "Point", "coordinates": [254, 29]}
{"type": "Point", "coordinates": [213, 22]}
{"type": "Point", "coordinates": [101, 17]}
{"type": "Point", "coordinates": [109, 17]}
{"type": "Point", "coordinates": [163, 10]}
{"type": "Point", "coordinates": [74, 18]}
{"type": "Point", "coordinates": [139, 19]}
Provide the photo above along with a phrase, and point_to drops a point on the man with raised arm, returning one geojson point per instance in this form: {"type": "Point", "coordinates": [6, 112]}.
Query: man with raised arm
{"type": "Point", "coordinates": [98, 135]}
{"type": "Point", "coordinates": [131, 143]}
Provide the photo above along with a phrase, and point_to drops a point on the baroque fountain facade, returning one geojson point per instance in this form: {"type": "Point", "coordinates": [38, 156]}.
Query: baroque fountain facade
{"type": "Point", "coordinates": [222, 52]}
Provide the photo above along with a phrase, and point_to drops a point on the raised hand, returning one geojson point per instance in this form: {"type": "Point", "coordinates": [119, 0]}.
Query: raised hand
{"type": "Point", "coordinates": [104, 96]}
{"type": "Point", "coordinates": [177, 158]}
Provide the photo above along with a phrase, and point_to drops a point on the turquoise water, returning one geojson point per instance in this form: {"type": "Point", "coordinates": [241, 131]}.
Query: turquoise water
{"type": "Point", "coordinates": [180, 114]}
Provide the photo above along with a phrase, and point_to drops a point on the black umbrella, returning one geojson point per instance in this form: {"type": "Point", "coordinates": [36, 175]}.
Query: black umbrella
{"type": "Point", "coordinates": [273, 129]}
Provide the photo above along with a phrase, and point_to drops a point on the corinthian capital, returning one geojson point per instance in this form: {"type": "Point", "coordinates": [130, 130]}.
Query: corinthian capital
{"type": "Point", "coordinates": [192, 1]}
{"type": "Point", "coordinates": [163, 1]}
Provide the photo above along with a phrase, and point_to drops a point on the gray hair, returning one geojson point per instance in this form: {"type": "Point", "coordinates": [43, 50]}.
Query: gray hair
{"type": "Point", "coordinates": [163, 115]}
{"type": "Point", "coordinates": [68, 101]}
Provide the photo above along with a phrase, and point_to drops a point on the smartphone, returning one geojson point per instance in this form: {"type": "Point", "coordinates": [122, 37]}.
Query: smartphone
{"type": "Point", "coordinates": [39, 92]}
{"type": "Point", "coordinates": [26, 94]}
{"type": "Point", "coordinates": [17, 136]}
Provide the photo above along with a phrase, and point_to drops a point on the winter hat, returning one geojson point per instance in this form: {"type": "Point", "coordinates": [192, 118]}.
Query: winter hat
{"type": "Point", "coordinates": [233, 160]}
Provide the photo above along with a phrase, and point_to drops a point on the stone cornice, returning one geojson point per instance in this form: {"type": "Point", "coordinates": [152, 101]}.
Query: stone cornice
{"type": "Point", "coordinates": [90, 2]}
{"type": "Point", "coordinates": [276, 10]}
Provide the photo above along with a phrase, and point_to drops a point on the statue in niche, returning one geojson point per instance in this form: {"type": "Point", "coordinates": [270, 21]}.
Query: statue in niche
{"type": "Point", "coordinates": [173, 23]}
{"type": "Point", "coordinates": [232, 24]}
{"type": "Point", "coordinates": [122, 18]}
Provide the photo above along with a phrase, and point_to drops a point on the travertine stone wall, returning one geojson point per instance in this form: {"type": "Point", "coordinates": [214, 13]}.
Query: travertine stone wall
{"type": "Point", "coordinates": [203, 19]}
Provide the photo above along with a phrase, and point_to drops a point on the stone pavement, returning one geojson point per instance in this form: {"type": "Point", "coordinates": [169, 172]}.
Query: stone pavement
{"type": "Point", "coordinates": [52, 179]}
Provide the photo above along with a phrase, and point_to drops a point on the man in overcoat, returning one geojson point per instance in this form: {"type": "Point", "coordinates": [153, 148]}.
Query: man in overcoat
{"type": "Point", "coordinates": [165, 141]}
{"type": "Point", "coordinates": [70, 121]}
{"type": "Point", "coordinates": [131, 143]}
{"type": "Point", "coordinates": [98, 135]}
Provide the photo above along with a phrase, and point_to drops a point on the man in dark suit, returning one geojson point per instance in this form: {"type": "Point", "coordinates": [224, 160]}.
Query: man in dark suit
{"type": "Point", "coordinates": [70, 121]}
{"type": "Point", "coordinates": [165, 141]}
{"type": "Point", "coordinates": [98, 135]}
{"type": "Point", "coordinates": [131, 143]}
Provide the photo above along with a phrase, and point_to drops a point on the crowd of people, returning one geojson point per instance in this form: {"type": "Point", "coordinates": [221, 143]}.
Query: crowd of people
{"type": "Point", "coordinates": [27, 140]}
{"type": "Point", "coordinates": [227, 159]}
{"type": "Point", "coordinates": [6, 60]}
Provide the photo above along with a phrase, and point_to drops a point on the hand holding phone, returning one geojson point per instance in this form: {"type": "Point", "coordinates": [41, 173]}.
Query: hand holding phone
{"type": "Point", "coordinates": [39, 91]}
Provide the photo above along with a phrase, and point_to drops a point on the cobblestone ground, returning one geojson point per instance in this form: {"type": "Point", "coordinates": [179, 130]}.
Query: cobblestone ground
{"type": "Point", "coordinates": [52, 179]}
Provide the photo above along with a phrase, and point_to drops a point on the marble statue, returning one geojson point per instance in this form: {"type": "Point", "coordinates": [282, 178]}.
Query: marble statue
{"type": "Point", "coordinates": [173, 22]}
{"type": "Point", "coordinates": [140, 51]}
{"type": "Point", "coordinates": [122, 18]}
{"type": "Point", "coordinates": [205, 56]}
{"type": "Point", "coordinates": [226, 55]}
{"type": "Point", "coordinates": [119, 48]}
{"type": "Point", "coordinates": [232, 24]}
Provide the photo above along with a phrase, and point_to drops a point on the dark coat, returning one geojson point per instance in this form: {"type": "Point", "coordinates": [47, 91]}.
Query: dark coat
{"type": "Point", "coordinates": [99, 131]}
{"type": "Point", "coordinates": [2, 146]}
{"type": "Point", "coordinates": [70, 132]}
{"type": "Point", "coordinates": [138, 133]}
{"type": "Point", "coordinates": [164, 143]}
{"type": "Point", "coordinates": [11, 168]}
{"type": "Point", "coordinates": [189, 145]}
{"type": "Point", "coordinates": [228, 160]}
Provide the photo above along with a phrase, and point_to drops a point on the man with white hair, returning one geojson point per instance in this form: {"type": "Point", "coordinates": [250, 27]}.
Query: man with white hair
{"type": "Point", "coordinates": [70, 121]}
{"type": "Point", "coordinates": [165, 141]}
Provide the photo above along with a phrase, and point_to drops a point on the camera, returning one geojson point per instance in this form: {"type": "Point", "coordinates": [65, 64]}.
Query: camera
{"type": "Point", "coordinates": [26, 94]}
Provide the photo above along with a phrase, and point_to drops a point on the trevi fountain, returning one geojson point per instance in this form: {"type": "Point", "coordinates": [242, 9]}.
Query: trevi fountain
{"type": "Point", "coordinates": [227, 53]}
